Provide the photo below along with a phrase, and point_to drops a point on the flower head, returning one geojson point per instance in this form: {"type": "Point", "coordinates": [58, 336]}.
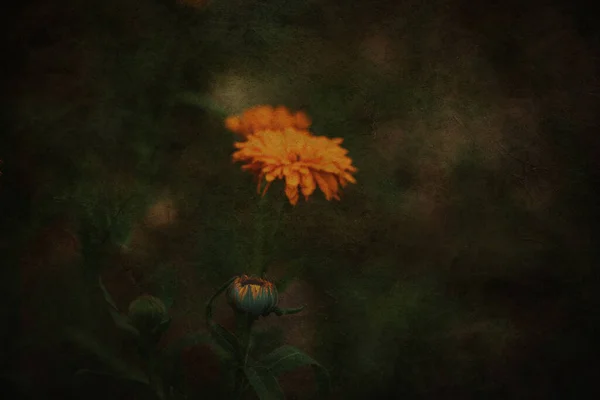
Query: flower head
{"type": "Point", "coordinates": [252, 295]}
{"type": "Point", "coordinates": [147, 313]}
{"type": "Point", "coordinates": [303, 160]}
{"type": "Point", "coordinates": [261, 118]}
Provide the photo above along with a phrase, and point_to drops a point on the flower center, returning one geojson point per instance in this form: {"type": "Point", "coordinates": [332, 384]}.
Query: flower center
{"type": "Point", "coordinates": [252, 282]}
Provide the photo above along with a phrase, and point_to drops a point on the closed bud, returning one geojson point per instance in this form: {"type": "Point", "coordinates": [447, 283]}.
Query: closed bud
{"type": "Point", "coordinates": [252, 295]}
{"type": "Point", "coordinates": [147, 313]}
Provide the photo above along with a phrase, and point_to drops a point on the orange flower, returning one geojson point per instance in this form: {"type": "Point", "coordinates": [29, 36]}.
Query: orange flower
{"type": "Point", "coordinates": [303, 160]}
{"type": "Point", "coordinates": [261, 118]}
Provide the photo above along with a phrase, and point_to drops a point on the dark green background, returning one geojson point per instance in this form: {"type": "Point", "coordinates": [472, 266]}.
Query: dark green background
{"type": "Point", "coordinates": [463, 264]}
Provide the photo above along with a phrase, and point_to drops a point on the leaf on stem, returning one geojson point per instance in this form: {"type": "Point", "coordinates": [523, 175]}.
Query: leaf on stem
{"type": "Point", "coordinates": [226, 340]}
{"type": "Point", "coordinates": [264, 383]}
{"type": "Point", "coordinates": [287, 311]}
{"type": "Point", "coordinates": [287, 358]}
{"type": "Point", "coordinates": [121, 321]}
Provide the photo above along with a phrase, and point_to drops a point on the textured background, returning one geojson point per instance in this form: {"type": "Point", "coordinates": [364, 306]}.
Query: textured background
{"type": "Point", "coordinates": [463, 264]}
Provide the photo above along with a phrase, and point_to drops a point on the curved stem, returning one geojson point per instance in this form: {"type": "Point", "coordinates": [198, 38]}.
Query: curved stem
{"type": "Point", "coordinates": [209, 309]}
{"type": "Point", "coordinates": [244, 322]}
{"type": "Point", "coordinates": [273, 236]}
{"type": "Point", "coordinates": [150, 355]}
{"type": "Point", "coordinates": [261, 261]}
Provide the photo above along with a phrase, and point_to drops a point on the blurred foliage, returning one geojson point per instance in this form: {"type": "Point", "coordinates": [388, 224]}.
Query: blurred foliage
{"type": "Point", "coordinates": [463, 264]}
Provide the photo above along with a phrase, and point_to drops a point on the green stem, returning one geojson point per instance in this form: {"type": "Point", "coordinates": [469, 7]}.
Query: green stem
{"type": "Point", "coordinates": [209, 305]}
{"type": "Point", "coordinates": [273, 237]}
{"type": "Point", "coordinates": [149, 354]}
{"type": "Point", "coordinates": [244, 322]}
{"type": "Point", "coordinates": [261, 261]}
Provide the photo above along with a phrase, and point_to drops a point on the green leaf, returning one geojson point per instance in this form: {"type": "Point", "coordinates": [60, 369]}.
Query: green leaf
{"type": "Point", "coordinates": [264, 383]}
{"type": "Point", "coordinates": [107, 295]}
{"type": "Point", "coordinates": [122, 323]}
{"type": "Point", "coordinates": [120, 320]}
{"type": "Point", "coordinates": [226, 340]}
{"type": "Point", "coordinates": [286, 311]}
{"type": "Point", "coordinates": [287, 358]}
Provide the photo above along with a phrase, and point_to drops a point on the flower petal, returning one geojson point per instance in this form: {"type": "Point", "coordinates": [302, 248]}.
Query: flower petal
{"type": "Point", "coordinates": [233, 123]}
{"type": "Point", "coordinates": [292, 178]}
{"type": "Point", "coordinates": [307, 184]}
{"type": "Point", "coordinates": [282, 118]}
{"type": "Point", "coordinates": [302, 120]}
{"type": "Point", "coordinates": [332, 185]}
{"type": "Point", "coordinates": [323, 185]}
{"type": "Point", "coordinates": [292, 194]}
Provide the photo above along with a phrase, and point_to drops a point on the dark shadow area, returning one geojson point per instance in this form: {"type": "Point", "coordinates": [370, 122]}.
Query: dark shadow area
{"type": "Point", "coordinates": [463, 264]}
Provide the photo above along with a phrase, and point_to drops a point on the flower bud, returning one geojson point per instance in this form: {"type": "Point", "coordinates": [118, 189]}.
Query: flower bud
{"type": "Point", "coordinates": [147, 313]}
{"type": "Point", "coordinates": [252, 295]}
